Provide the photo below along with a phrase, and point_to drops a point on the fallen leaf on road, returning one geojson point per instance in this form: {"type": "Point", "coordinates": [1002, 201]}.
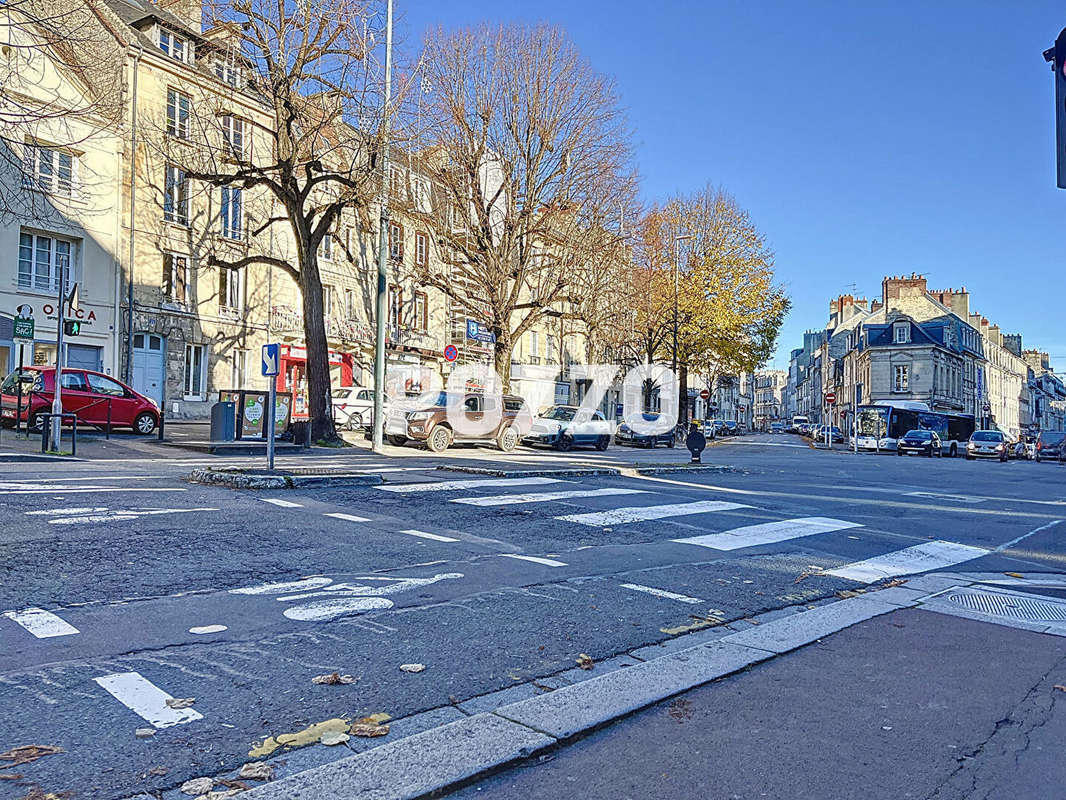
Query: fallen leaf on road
{"type": "Point", "coordinates": [144, 733]}
{"type": "Point", "coordinates": [331, 738]}
{"type": "Point", "coordinates": [180, 702]}
{"type": "Point", "coordinates": [27, 754]}
{"type": "Point", "coordinates": [1060, 687]}
{"type": "Point", "coordinates": [412, 667]}
{"type": "Point", "coordinates": [844, 594]}
{"type": "Point", "coordinates": [1014, 574]}
{"type": "Point", "coordinates": [369, 730]}
{"type": "Point", "coordinates": [197, 786]}
{"type": "Point", "coordinates": [235, 785]}
{"type": "Point", "coordinates": [893, 582]}
{"type": "Point", "coordinates": [257, 770]}
{"type": "Point", "coordinates": [37, 793]}
{"type": "Point", "coordinates": [308, 735]}
{"type": "Point", "coordinates": [158, 771]}
{"type": "Point", "coordinates": [585, 661]}
{"type": "Point", "coordinates": [332, 679]}
{"type": "Point", "coordinates": [812, 569]}
{"type": "Point", "coordinates": [11, 776]}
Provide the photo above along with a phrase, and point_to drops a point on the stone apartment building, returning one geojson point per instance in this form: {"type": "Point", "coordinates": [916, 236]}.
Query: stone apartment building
{"type": "Point", "coordinates": [769, 397]}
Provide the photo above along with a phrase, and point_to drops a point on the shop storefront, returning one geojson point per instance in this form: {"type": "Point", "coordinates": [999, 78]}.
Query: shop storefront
{"type": "Point", "coordinates": [292, 376]}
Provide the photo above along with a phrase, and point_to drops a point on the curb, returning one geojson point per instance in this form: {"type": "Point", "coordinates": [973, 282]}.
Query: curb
{"type": "Point", "coordinates": [287, 480]}
{"type": "Point", "coordinates": [577, 472]}
{"type": "Point", "coordinates": [27, 458]}
{"type": "Point", "coordinates": [666, 470]}
{"type": "Point", "coordinates": [445, 756]}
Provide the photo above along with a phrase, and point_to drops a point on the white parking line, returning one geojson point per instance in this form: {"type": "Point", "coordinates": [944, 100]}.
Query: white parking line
{"type": "Point", "coordinates": [434, 536]}
{"type": "Point", "coordinates": [623, 516]}
{"type": "Point", "coordinates": [683, 598]}
{"type": "Point", "coordinates": [450, 486]}
{"type": "Point", "coordinates": [275, 501]}
{"type": "Point", "coordinates": [145, 699]}
{"type": "Point", "coordinates": [768, 533]}
{"type": "Point", "coordinates": [920, 558]}
{"type": "Point", "coordinates": [42, 624]}
{"type": "Point", "coordinates": [515, 499]}
{"type": "Point", "coordinates": [547, 562]}
{"type": "Point", "coordinates": [122, 514]}
{"type": "Point", "coordinates": [347, 517]}
{"type": "Point", "coordinates": [956, 498]}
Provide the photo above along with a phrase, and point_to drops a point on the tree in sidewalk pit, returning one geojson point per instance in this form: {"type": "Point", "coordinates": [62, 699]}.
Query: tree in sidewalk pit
{"type": "Point", "coordinates": [527, 156]}
{"type": "Point", "coordinates": [729, 310]}
{"type": "Point", "coordinates": [306, 154]}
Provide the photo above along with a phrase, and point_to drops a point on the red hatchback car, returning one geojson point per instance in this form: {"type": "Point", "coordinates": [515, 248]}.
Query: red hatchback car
{"type": "Point", "coordinates": [85, 393]}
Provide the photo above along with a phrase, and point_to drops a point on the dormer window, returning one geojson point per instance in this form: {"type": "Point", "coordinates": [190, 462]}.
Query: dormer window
{"type": "Point", "coordinates": [228, 72]}
{"type": "Point", "coordinates": [901, 333]}
{"type": "Point", "coordinates": [177, 47]}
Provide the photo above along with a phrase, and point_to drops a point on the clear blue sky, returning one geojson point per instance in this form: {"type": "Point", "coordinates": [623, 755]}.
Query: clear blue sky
{"type": "Point", "coordinates": [865, 139]}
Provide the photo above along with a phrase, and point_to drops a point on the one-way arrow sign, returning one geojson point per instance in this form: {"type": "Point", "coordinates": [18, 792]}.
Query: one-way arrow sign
{"type": "Point", "coordinates": [271, 357]}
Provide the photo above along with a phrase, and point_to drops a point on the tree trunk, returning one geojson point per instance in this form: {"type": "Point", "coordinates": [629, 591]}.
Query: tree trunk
{"type": "Point", "coordinates": [502, 359]}
{"type": "Point", "coordinates": [317, 347]}
{"type": "Point", "coordinates": [682, 400]}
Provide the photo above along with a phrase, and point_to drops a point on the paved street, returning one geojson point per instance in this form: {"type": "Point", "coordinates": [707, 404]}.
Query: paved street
{"type": "Point", "coordinates": [239, 598]}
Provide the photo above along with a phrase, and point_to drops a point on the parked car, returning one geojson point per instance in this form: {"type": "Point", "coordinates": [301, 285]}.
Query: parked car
{"type": "Point", "coordinates": [564, 427]}
{"type": "Point", "coordinates": [731, 428]}
{"type": "Point", "coordinates": [987, 444]}
{"type": "Point", "coordinates": [1023, 449]}
{"type": "Point", "coordinates": [777, 427]}
{"type": "Point", "coordinates": [922, 443]}
{"type": "Point", "coordinates": [85, 393]}
{"type": "Point", "coordinates": [1049, 445]}
{"type": "Point", "coordinates": [431, 426]}
{"type": "Point", "coordinates": [626, 435]}
{"type": "Point", "coordinates": [353, 407]}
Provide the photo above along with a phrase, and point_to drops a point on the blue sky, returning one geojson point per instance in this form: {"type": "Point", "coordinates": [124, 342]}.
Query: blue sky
{"type": "Point", "coordinates": [866, 139]}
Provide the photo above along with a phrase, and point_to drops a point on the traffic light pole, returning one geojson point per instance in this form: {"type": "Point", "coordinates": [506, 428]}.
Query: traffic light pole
{"type": "Point", "coordinates": [57, 404]}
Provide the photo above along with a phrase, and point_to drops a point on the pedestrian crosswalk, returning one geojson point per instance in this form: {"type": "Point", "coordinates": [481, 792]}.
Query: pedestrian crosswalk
{"type": "Point", "coordinates": [769, 533]}
{"type": "Point", "coordinates": [623, 516]}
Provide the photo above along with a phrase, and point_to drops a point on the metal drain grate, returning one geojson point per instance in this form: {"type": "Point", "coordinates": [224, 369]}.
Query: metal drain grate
{"type": "Point", "coordinates": [1013, 606]}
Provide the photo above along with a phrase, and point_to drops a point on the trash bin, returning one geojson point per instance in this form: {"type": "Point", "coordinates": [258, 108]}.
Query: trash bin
{"type": "Point", "coordinates": [223, 421]}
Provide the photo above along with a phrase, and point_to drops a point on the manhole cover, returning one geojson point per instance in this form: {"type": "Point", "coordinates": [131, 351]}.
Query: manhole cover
{"type": "Point", "coordinates": [1013, 606]}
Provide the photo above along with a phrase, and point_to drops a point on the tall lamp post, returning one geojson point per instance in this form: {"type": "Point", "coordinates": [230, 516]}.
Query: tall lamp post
{"type": "Point", "coordinates": [383, 247]}
{"type": "Point", "coordinates": [682, 402]}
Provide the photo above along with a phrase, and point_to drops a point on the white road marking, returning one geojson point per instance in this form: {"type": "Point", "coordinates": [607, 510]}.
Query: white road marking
{"type": "Point", "coordinates": [920, 558]}
{"type": "Point", "coordinates": [769, 533]}
{"type": "Point", "coordinates": [123, 514]}
{"type": "Point", "coordinates": [285, 586]}
{"type": "Point", "coordinates": [547, 562]}
{"type": "Point", "coordinates": [356, 590]}
{"type": "Point", "coordinates": [42, 624]}
{"type": "Point", "coordinates": [1017, 539]}
{"type": "Point", "coordinates": [326, 610]}
{"type": "Point", "coordinates": [53, 512]}
{"type": "Point", "coordinates": [764, 444]}
{"type": "Point", "coordinates": [957, 498]}
{"type": "Point", "coordinates": [145, 699]}
{"type": "Point", "coordinates": [98, 489]}
{"type": "Point", "coordinates": [434, 536]}
{"type": "Point", "coordinates": [275, 501]}
{"type": "Point", "coordinates": [347, 517]}
{"type": "Point", "coordinates": [623, 516]}
{"type": "Point", "coordinates": [684, 598]}
{"type": "Point", "coordinates": [514, 499]}
{"type": "Point", "coordinates": [450, 486]}
{"type": "Point", "coordinates": [200, 630]}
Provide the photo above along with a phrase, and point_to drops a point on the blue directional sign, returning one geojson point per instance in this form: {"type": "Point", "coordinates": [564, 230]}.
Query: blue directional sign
{"type": "Point", "coordinates": [479, 332]}
{"type": "Point", "coordinates": [271, 360]}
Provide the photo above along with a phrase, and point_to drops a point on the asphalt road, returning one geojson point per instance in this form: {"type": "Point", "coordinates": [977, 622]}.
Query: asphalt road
{"type": "Point", "coordinates": [488, 585]}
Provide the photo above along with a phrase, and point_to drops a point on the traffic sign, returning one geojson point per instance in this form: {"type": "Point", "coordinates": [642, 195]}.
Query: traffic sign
{"type": "Point", "coordinates": [271, 360]}
{"type": "Point", "coordinates": [705, 395]}
{"type": "Point", "coordinates": [830, 397]}
{"type": "Point", "coordinates": [23, 329]}
{"type": "Point", "coordinates": [451, 352]}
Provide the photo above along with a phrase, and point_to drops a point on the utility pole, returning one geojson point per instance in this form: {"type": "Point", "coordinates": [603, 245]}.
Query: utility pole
{"type": "Point", "coordinates": [383, 247]}
{"type": "Point", "coordinates": [56, 422]}
{"type": "Point", "coordinates": [682, 404]}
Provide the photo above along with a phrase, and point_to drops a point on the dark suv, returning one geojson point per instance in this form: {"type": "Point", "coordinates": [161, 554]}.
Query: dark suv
{"type": "Point", "coordinates": [432, 426]}
{"type": "Point", "coordinates": [1049, 446]}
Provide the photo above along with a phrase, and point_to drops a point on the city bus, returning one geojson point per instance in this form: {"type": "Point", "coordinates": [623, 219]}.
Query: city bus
{"type": "Point", "coordinates": [880, 425]}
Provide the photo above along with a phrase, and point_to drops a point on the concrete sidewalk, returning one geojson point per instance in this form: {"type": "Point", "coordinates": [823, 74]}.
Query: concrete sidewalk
{"type": "Point", "coordinates": [912, 704]}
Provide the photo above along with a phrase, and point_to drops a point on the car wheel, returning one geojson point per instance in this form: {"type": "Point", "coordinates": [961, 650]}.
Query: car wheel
{"type": "Point", "coordinates": [954, 451]}
{"type": "Point", "coordinates": [144, 424]}
{"type": "Point", "coordinates": [439, 439]}
{"type": "Point", "coordinates": [603, 443]}
{"type": "Point", "coordinates": [507, 440]}
{"type": "Point", "coordinates": [397, 441]}
{"type": "Point", "coordinates": [565, 443]}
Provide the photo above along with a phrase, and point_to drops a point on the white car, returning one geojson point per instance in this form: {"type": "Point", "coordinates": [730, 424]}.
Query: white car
{"type": "Point", "coordinates": [564, 427]}
{"type": "Point", "coordinates": [353, 407]}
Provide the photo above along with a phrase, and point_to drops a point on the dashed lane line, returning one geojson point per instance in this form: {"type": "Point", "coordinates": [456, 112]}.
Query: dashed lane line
{"type": "Point", "coordinates": [347, 517]}
{"type": "Point", "coordinates": [541, 497]}
{"type": "Point", "coordinates": [623, 516]}
{"type": "Point", "coordinates": [277, 501]}
{"type": "Point", "coordinates": [450, 486]}
{"type": "Point", "coordinates": [42, 624]}
{"type": "Point", "coordinates": [546, 562]}
{"type": "Point", "coordinates": [768, 533]}
{"type": "Point", "coordinates": [910, 560]}
{"type": "Point", "coordinates": [145, 699]}
{"type": "Point", "coordinates": [434, 536]}
{"type": "Point", "coordinates": [681, 598]}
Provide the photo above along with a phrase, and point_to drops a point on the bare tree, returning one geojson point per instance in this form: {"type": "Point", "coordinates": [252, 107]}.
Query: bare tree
{"type": "Point", "coordinates": [311, 70]}
{"type": "Point", "coordinates": [528, 154]}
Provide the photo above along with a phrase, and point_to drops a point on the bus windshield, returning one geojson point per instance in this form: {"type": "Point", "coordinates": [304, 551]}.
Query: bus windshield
{"type": "Point", "coordinates": [872, 421]}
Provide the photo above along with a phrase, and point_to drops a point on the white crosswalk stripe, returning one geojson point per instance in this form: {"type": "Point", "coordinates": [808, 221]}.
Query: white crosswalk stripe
{"type": "Point", "coordinates": [910, 560]}
{"type": "Point", "coordinates": [768, 533]}
{"type": "Point", "coordinates": [347, 517]}
{"type": "Point", "coordinates": [623, 516]}
{"type": "Point", "coordinates": [541, 497]}
{"type": "Point", "coordinates": [434, 536]}
{"type": "Point", "coordinates": [547, 562]}
{"type": "Point", "coordinates": [146, 699]}
{"type": "Point", "coordinates": [681, 598]}
{"type": "Point", "coordinates": [276, 501]}
{"type": "Point", "coordinates": [451, 486]}
{"type": "Point", "coordinates": [42, 624]}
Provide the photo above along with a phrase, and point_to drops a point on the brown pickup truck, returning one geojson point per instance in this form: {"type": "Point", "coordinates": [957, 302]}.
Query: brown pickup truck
{"type": "Point", "coordinates": [430, 425]}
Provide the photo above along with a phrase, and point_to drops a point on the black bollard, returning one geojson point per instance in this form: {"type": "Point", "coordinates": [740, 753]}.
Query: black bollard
{"type": "Point", "coordinates": [696, 442]}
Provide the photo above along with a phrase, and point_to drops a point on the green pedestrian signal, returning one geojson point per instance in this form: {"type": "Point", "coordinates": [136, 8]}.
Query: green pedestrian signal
{"type": "Point", "coordinates": [71, 327]}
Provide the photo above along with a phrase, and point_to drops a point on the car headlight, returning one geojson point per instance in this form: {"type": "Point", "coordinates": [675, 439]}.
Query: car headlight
{"type": "Point", "coordinates": [418, 416]}
{"type": "Point", "coordinates": [971, 446]}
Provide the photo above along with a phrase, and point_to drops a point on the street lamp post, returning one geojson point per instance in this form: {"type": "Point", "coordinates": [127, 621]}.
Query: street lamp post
{"type": "Point", "coordinates": [383, 246]}
{"type": "Point", "coordinates": [682, 405]}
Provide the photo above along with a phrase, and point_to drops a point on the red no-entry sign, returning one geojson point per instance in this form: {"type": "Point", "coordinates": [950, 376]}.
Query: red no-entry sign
{"type": "Point", "coordinates": [705, 395]}
{"type": "Point", "coordinates": [830, 397]}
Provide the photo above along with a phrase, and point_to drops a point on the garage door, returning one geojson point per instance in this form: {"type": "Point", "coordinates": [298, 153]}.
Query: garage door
{"type": "Point", "coordinates": [82, 356]}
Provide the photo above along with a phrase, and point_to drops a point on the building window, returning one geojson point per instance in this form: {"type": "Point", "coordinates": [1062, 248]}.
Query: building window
{"type": "Point", "coordinates": [421, 312]}
{"type": "Point", "coordinates": [176, 196]}
{"type": "Point", "coordinates": [49, 169]}
{"type": "Point", "coordinates": [195, 371]}
{"type": "Point", "coordinates": [325, 247]}
{"type": "Point", "coordinates": [175, 277]}
{"type": "Point", "coordinates": [902, 378]}
{"type": "Point", "coordinates": [178, 114]}
{"type": "Point", "coordinates": [396, 241]}
{"type": "Point", "coordinates": [42, 259]}
{"type": "Point", "coordinates": [396, 183]}
{"type": "Point", "coordinates": [328, 293]}
{"type": "Point", "coordinates": [237, 368]}
{"type": "Point", "coordinates": [901, 334]}
{"type": "Point", "coordinates": [534, 346]}
{"type": "Point", "coordinates": [228, 71]}
{"type": "Point", "coordinates": [232, 212]}
{"type": "Point", "coordinates": [229, 289]}
{"type": "Point", "coordinates": [349, 304]}
{"type": "Point", "coordinates": [552, 349]}
{"type": "Point", "coordinates": [235, 135]}
{"type": "Point", "coordinates": [173, 45]}
{"type": "Point", "coordinates": [421, 248]}
{"type": "Point", "coordinates": [420, 190]}
{"type": "Point", "coordinates": [395, 306]}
